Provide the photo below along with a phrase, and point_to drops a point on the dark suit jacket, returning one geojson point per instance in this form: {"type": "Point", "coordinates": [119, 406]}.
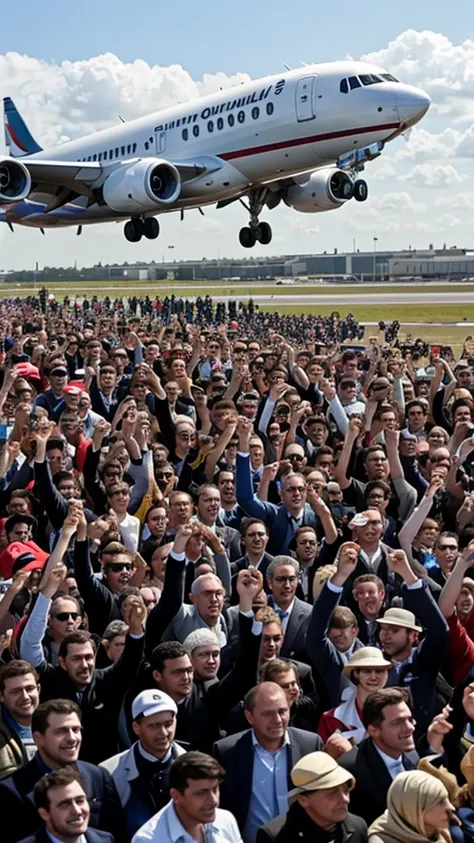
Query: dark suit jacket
{"type": "Point", "coordinates": [369, 797]}
{"type": "Point", "coordinates": [294, 646]}
{"type": "Point", "coordinates": [241, 565]}
{"type": "Point", "coordinates": [16, 801]}
{"type": "Point", "coordinates": [235, 753]}
{"type": "Point", "coordinates": [296, 825]}
{"type": "Point", "coordinates": [91, 835]}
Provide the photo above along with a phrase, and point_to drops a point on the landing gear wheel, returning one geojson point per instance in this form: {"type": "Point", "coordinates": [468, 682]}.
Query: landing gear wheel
{"type": "Point", "coordinates": [151, 228]}
{"type": "Point", "coordinates": [361, 191]}
{"type": "Point", "coordinates": [247, 237]}
{"type": "Point", "coordinates": [133, 231]}
{"type": "Point", "coordinates": [264, 233]}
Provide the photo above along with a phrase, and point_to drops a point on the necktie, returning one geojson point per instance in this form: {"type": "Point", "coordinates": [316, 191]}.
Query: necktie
{"type": "Point", "coordinates": [283, 615]}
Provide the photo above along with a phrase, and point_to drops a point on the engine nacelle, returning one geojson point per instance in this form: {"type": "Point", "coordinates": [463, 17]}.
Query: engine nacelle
{"type": "Point", "coordinates": [324, 191]}
{"type": "Point", "coordinates": [15, 181]}
{"type": "Point", "coordinates": [142, 185]}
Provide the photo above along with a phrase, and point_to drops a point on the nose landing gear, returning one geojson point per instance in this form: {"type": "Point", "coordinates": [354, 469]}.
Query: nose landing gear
{"type": "Point", "coordinates": [137, 228]}
{"type": "Point", "coordinates": [256, 230]}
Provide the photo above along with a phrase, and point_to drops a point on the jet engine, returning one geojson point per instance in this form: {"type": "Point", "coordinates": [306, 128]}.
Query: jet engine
{"type": "Point", "coordinates": [143, 185]}
{"type": "Point", "coordinates": [15, 181]}
{"type": "Point", "coordinates": [324, 191]}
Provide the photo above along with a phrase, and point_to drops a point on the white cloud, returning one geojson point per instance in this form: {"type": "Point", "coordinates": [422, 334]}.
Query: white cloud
{"type": "Point", "coordinates": [398, 202]}
{"type": "Point", "coordinates": [447, 221]}
{"type": "Point", "coordinates": [383, 170]}
{"type": "Point", "coordinates": [433, 175]}
{"type": "Point", "coordinates": [432, 62]}
{"type": "Point", "coordinates": [67, 100]}
{"type": "Point", "coordinates": [459, 202]}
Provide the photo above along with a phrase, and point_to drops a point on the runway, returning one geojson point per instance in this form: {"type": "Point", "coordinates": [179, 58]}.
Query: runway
{"type": "Point", "coordinates": [352, 299]}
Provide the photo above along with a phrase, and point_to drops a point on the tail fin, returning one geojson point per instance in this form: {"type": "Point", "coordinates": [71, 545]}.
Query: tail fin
{"type": "Point", "coordinates": [18, 138]}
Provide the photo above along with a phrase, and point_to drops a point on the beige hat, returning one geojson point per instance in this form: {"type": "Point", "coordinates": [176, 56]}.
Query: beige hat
{"type": "Point", "coordinates": [318, 771]}
{"type": "Point", "coordinates": [400, 617]}
{"type": "Point", "coordinates": [366, 657]}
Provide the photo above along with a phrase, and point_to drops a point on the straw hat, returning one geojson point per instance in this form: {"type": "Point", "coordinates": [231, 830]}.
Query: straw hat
{"type": "Point", "coordinates": [318, 771]}
{"type": "Point", "coordinates": [400, 617]}
{"type": "Point", "coordinates": [366, 657]}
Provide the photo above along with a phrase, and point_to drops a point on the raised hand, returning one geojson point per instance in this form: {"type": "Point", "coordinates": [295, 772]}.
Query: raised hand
{"type": "Point", "coordinates": [249, 584]}
{"type": "Point", "coordinates": [398, 563]}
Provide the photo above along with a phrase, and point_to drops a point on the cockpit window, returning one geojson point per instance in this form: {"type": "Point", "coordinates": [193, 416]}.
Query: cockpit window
{"type": "Point", "coordinates": [369, 79]}
{"type": "Point", "coordinates": [388, 77]}
{"type": "Point", "coordinates": [354, 82]}
{"type": "Point", "coordinates": [343, 87]}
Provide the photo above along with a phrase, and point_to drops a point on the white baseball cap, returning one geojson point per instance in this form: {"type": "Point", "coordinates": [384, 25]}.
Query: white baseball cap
{"type": "Point", "coordinates": [152, 702]}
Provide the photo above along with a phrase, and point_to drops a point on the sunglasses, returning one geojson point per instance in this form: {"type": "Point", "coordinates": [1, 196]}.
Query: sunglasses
{"type": "Point", "coordinates": [164, 475]}
{"type": "Point", "coordinates": [117, 567]}
{"type": "Point", "coordinates": [64, 616]}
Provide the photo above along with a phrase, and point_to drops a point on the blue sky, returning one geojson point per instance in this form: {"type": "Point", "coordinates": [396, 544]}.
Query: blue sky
{"type": "Point", "coordinates": [212, 35]}
{"type": "Point", "coordinates": [73, 67]}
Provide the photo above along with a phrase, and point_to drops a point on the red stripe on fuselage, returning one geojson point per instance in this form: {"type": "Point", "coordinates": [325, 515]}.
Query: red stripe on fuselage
{"type": "Point", "coordinates": [272, 147]}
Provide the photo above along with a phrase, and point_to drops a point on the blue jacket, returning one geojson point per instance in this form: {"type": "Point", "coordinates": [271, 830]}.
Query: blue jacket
{"type": "Point", "coordinates": [279, 521]}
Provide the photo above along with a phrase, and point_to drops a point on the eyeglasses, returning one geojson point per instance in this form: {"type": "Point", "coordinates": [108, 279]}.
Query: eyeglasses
{"type": "Point", "coordinates": [64, 616]}
{"type": "Point", "coordinates": [186, 436]}
{"type": "Point", "coordinates": [123, 494]}
{"type": "Point", "coordinates": [447, 547]}
{"type": "Point", "coordinates": [117, 567]}
{"type": "Point", "coordinates": [165, 475]}
{"type": "Point", "coordinates": [290, 579]}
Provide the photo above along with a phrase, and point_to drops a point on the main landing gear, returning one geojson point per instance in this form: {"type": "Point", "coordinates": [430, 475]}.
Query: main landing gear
{"type": "Point", "coordinates": [137, 228]}
{"type": "Point", "coordinates": [361, 191]}
{"type": "Point", "coordinates": [255, 230]}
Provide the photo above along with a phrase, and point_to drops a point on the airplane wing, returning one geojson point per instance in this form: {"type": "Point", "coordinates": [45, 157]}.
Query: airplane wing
{"type": "Point", "coordinates": [66, 180]}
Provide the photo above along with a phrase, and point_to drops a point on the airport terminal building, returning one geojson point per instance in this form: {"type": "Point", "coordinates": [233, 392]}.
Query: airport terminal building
{"type": "Point", "coordinates": [377, 265]}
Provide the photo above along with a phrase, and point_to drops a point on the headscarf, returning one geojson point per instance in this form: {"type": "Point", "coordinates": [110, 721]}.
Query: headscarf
{"type": "Point", "coordinates": [409, 796]}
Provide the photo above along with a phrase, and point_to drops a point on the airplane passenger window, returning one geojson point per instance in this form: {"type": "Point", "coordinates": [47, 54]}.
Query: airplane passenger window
{"type": "Point", "coordinates": [100, 156]}
{"type": "Point", "coordinates": [146, 144]}
{"type": "Point", "coordinates": [185, 134]}
{"type": "Point", "coordinates": [116, 152]}
{"type": "Point", "coordinates": [210, 126]}
{"type": "Point", "coordinates": [354, 82]}
{"type": "Point", "coordinates": [94, 157]}
{"type": "Point", "coordinates": [270, 108]}
{"type": "Point", "coordinates": [220, 123]}
{"type": "Point", "coordinates": [369, 79]}
{"type": "Point", "coordinates": [231, 120]}
{"type": "Point", "coordinates": [343, 87]}
{"type": "Point", "coordinates": [241, 116]}
{"type": "Point", "coordinates": [129, 149]}
{"type": "Point", "coordinates": [122, 149]}
{"type": "Point", "coordinates": [255, 113]}
{"type": "Point", "coordinates": [388, 77]}
{"type": "Point", "coordinates": [134, 147]}
{"type": "Point", "coordinates": [111, 154]}
{"type": "Point", "coordinates": [196, 131]}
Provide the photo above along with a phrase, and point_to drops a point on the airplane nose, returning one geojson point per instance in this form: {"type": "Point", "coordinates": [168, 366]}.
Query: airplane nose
{"type": "Point", "coordinates": [412, 105]}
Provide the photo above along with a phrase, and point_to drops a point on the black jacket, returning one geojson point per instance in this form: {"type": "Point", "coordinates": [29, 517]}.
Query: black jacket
{"type": "Point", "coordinates": [296, 825]}
{"type": "Point", "coordinates": [236, 754]}
{"type": "Point", "coordinates": [369, 797]}
{"type": "Point", "coordinates": [16, 801]}
{"type": "Point", "coordinates": [101, 700]}
{"type": "Point", "coordinates": [91, 836]}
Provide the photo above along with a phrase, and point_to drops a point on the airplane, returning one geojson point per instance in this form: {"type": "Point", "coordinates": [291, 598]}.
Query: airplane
{"type": "Point", "coordinates": [301, 137]}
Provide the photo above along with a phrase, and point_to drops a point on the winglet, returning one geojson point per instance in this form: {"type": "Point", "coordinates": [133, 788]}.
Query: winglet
{"type": "Point", "coordinates": [18, 137]}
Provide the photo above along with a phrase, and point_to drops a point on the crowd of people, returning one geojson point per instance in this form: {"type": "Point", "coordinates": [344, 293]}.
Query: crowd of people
{"type": "Point", "coordinates": [236, 588]}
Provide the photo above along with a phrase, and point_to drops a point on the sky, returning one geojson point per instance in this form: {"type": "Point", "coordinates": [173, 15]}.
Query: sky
{"type": "Point", "coordinates": [72, 68]}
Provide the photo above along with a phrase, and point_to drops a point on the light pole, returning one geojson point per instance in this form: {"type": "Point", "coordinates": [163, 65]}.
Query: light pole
{"type": "Point", "coordinates": [375, 256]}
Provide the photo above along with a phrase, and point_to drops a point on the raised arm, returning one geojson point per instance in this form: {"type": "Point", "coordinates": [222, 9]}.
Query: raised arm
{"type": "Point", "coordinates": [452, 587]}
{"type": "Point", "coordinates": [340, 471]}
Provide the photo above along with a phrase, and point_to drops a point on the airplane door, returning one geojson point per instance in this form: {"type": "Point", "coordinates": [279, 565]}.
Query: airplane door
{"type": "Point", "coordinates": [160, 141]}
{"type": "Point", "coordinates": [305, 99]}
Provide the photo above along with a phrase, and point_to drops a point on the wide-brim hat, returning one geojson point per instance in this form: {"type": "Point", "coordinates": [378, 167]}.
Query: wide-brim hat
{"type": "Point", "coordinates": [366, 657]}
{"type": "Point", "coordinates": [318, 771]}
{"type": "Point", "coordinates": [400, 617]}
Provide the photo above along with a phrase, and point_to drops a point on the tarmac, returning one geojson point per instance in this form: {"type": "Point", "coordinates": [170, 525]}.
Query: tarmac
{"type": "Point", "coordinates": [355, 298]}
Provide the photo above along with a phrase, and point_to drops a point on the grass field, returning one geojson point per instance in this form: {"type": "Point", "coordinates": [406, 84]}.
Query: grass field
{"type": "Point", "coordinates": [242, 289]}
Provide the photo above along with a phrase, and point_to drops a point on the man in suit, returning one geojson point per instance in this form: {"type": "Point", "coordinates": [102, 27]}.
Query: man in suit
{"type": "Point", "coordinates": [331, 635]}
{"type": "Point", "coordinates": [254, 539]}
{"type": "Point", "coordinates": [258, 761]}
{"type": "Point", "coordinates": [283, 519]}
{"type": "Point", "coordinates": [282, 578]}
{"type": "Point", "coordinates": [208, 508]}
{"type": "Point", "coordinates": [61, 801]}
{"type": "Point", "coordinates": [389, 750]}
{"type": "Point", "coordinates": [56, 727]}
{"type": "Point", "coordinates": [322, 791]}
